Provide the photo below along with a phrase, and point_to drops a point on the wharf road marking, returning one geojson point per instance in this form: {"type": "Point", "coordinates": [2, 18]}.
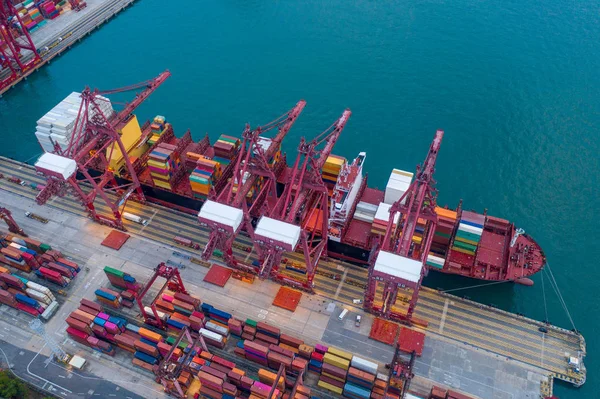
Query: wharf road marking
{"type": "Point", "coordinates": [443, 319]}
{"type": "Point", "coordinates": [42, 378]}
{"type": "Point", "coordinates": [491, 333]}
{"type": "Point", "coordinates": [339, 288]}
{"type": "Point", "coordinates": [481, 340]}
{"type": "Point", "coordinates": [149, 221]}
{"type": "Point", "coordinates": [502, 317]}
{"type": "Point", "coordinates": [489, 320]}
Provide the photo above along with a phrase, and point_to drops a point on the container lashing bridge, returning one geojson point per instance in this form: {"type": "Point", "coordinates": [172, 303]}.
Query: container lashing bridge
{"type": "Point", "coordinates": [305, 194]}
{"type": "Point", "coordinates": [19, 54]}
{"type": "Point", "coordinates": [396, 263]}
{"type": "Point", "coordinates": [227, 213]}
{"type": "Point", "coordinates": [94, 138]}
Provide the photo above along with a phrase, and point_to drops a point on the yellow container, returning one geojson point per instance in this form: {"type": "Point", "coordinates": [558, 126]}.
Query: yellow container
{"type": "Point", "coordinates": [339, 353]}
{"type": "Point", "coordinates": [330, 387]}
{"type": "Point", "coordinates": [336, 361]}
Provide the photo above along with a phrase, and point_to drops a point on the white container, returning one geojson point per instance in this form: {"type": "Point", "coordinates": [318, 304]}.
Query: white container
{"type": "Point", "coordinates": [364, 365]}
{"type": "Point", "coordinates": [343, 314]}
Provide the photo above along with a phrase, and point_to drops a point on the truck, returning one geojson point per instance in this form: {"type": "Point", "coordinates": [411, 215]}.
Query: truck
{"type": "Point", "coordinates": [33, 216]}
{"type": "Point", "coordinates": [135, 218]}
{"type": "Point", "coordinates": [77, 362]}
{"type": "Point", "coordinates": [186, 242]}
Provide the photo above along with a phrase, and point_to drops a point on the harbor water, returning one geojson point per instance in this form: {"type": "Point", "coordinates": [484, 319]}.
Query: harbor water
{"type": "Point", "coordinates": [512, 83]}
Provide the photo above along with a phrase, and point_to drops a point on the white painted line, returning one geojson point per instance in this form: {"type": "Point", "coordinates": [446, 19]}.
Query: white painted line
{"type": "Point", "coordinates": [443, 319]}
{"type": "Point", "coordinates": [42, 378]}
{"type": "Point", "coordinates": [339, 288]}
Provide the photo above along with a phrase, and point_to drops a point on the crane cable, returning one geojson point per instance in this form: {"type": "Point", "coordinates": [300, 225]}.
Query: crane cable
{"type": "Point", "coordinates": [560, 297]}
{"type": "Point", "coordinates": [544, 295]}
{"type": "Point", "coordinates": [476, 286]}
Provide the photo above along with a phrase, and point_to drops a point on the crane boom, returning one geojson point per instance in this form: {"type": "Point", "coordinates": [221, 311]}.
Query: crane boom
{"type": "Point", "coordinates": [284, 123]}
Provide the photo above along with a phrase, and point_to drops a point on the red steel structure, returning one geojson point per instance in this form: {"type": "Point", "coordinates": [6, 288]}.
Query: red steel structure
{"type": "Point", "coordinates": [173, 281]}
{"type": "Point", "coordinates": [304, 194]}
{"type": "Point", "coordinates": [170, 368]}
{"type": "Point", "coordinates": [418, 202]}
{"type": "Point", "coordinates": [95, 137]}
{"type": "Point", "coordinates": [251, 161]}
{"type": "Point", "coordinates": [18, 54]}
{"type": "Point", "coordinates": [13, 226]}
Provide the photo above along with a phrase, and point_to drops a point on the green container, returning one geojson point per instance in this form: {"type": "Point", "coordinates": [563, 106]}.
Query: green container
{"type": "Point", "coordinates": [464, 245]}
{"type": "Point", "coordinates": [45, 247]}
{"type": "Point", "coordinates": [217, 252]}
{"type": "Point", "coordinates": [171, 341]}
{"type": "Point", "coordinates": [114, 272]}
{"type": "Point", "coordinates": [251, 323]}
{"type": "Point", "coordinates": [468, 236]}
{"type": "Point", "coordinates": [228, 140]}
{"type": "Point", "coordinates": [437, 233]}
{"type": "Point", "coordinates": [435, 265]}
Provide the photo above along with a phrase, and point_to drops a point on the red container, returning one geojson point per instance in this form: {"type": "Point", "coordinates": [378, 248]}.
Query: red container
{"type": "Point", "coordinates": [291, 341]}
{"type": "Point", "coordinates": [147, 349]}
{"type": "Point", "coordinates": [64, 271]}
{"type": "Point", "coordinates": [88, 310]}
{"type": "Point", "coordinates": [28, 309]}
{"type": "Point", "coordinates": [77, 333]}
{"type": "Point", "coordinates": [78, 325]}
{"type": "Point", "coordinates": [50, 273]}
{"type": "Point", "coordinates": [212, 371]}
{"type": "Point", "coordinates": [261, 326]}
{"type": "Point", "coordinates": [91, 304]}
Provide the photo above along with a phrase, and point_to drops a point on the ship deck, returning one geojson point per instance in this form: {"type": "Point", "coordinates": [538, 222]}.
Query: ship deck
{"type": "Point", "coordinates": [452, 322]}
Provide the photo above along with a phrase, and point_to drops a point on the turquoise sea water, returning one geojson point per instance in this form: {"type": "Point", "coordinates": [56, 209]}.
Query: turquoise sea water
{"type": "Point", "coordinates": [514, 84]}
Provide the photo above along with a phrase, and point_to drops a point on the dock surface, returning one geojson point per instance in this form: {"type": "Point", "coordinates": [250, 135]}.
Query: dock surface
{"type": "Point", "coordinates": [483, 351]}
{"type": "Point", "coordinates": [70, 27]}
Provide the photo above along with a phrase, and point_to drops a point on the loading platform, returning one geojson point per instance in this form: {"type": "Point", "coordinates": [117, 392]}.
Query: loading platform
{"type": "Point", "coordinates": [449, 317]}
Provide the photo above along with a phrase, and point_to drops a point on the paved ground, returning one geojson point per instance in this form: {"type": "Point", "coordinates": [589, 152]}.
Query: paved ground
{"type": "Point", "coordinates": [444, 361]}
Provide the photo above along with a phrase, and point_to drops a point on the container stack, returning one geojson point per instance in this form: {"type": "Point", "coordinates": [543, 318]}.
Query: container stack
{"type": "Point", "coordinates": [125, 282]}
{"type": "Point", "coordinates": [157, 128]}
{"type": "Point", "coordinates": [24, 295]}
{"type": "Point", "coordinates": [30, 15]}
{"type": "Point", "coordinates": [225, 149]}
{"type": "Point", "coordinates": [57, 125]}
{"type": "Point", "coordinates": [49, 9]}
{"type": "Point", "coordinates": [469, 233]}
{"type": "Point", "coordinates": [361, 379]}
{"type": "Point", "coordinates": [52, 276]}
{"type": "Point", "coordinates": [335, 369]}
{"type": "Point", "coordinates": [331, 171]}
{"type": "Point", "coordinates": [441, 238]}
{"type": "Point", "coordinates": [417, 237]}
{"type": "Point", "coordinates": [397, 185]}
{"type": "Point", "coordinates": [264, 143]}
{"type": "Point", "coordinates": [163, 162]}
{"type": "Point", "coordinates": [108, 297]}
{"type": "Point", "coordinates": [382, 216]}
{"type": "Point", "coordinates": [365, 212]}
{"type": "Point", "coordinates": [204, 175]}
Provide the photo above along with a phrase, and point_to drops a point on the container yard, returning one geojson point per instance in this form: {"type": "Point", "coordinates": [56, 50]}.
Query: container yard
{"type": "Point", "coordinates": [509, 346]}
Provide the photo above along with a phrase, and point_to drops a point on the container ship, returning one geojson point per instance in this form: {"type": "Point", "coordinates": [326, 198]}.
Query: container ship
{"type": "Point", "coordinates": [180, 173]}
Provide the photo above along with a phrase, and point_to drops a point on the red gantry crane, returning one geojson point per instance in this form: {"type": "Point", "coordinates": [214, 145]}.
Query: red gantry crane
{"type": "Point", "coordinates": [18, 54]}
{"type": "Point", "coordinates": [227, 213]}
{"type": "Point", "coordinates": [305, 196]}
{"type": "Point", "coordinates": [13, 227]}
{"type": "Point", "coordinates": [94, 138]}
{"type": "Point", "coordinates": [173, 282]}
{"type": "Point", "coordinates": [395, 263]}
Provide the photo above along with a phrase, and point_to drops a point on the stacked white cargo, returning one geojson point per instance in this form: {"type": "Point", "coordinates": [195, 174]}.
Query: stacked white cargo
{"type": "Point", "coordinates": [365, 212]}
{"type": "Point", "coordinates": [58, 123]}
{"type": "Point", "coordinates": [41, 289]}
{"type": "Point", "coordinates": [397, 185]}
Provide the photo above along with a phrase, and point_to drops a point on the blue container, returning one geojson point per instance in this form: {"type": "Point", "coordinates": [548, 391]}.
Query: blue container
{"type": "Point", "coordinates": [131, 327]}
{"type": "Point", "coordinates": [255, 263]}
{"type": "Point", "coordinates": [128, 278]}
{"type": "Point", "coordinates": [220, 313]}
{"type": "Point", "coordinates": [24, 280]}
{"type": "Point", "coordinates": [315, 363]}
{"type": "Point", "coordinates": [99, 321]}
{"type": "Point", "coordinates": [24, 299]}
{"type": "Point", "coordinates": [145, 357]}
{"type": "Point", "coordinates": [355, 390]}
{"type": "Point", "coordinates": [206, 307]}
{"type": "Point", "coordinates": [175, 323]}
{"type": "Point", "coordinates": [240, 344]}
{"type": "Point", "coordinates": [106, 295]}
{"type": "Point", "coordinates": [117, 320]}
{"type": "Point", "coordinates": [147, 341]}
{"type": "Point", "coordinates": [471, 223]}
